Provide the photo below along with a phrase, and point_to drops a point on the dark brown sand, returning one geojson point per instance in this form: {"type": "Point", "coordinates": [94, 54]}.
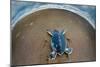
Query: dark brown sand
{"type": "Point", "coordinates": [31, 43]}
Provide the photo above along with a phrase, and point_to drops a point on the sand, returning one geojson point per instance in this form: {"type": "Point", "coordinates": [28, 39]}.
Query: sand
{"type": "Point", "coordinates": [31, 43]}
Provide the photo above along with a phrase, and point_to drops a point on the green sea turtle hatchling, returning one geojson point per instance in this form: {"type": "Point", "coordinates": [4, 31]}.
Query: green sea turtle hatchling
{"type": "Point", "coordinates": [59, 44]}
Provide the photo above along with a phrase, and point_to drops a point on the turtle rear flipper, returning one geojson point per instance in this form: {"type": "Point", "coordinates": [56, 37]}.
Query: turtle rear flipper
{"type": "Point", "coordinates": [52, 55]}
{"type": "Point", "coordinates": [68, 50]}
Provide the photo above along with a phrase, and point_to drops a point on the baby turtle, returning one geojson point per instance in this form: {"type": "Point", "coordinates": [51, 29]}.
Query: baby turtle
{"type": "Point", "coordinates": [59, 44]}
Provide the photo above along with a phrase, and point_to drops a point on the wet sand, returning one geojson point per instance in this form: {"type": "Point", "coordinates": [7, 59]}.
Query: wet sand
{"type": "Point", "coordinates": [31, 43]}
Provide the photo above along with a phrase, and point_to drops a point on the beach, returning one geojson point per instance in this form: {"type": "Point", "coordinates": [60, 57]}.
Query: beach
{"type": "Point", "coordinates": [31, 42]}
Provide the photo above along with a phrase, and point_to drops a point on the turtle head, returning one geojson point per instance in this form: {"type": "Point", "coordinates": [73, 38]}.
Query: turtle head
{"type": "Point", "coordinates": [55, 31]}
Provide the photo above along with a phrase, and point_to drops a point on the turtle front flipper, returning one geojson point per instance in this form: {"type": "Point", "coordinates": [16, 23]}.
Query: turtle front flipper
{"type": "Point", "coordinates": [49, 32]}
